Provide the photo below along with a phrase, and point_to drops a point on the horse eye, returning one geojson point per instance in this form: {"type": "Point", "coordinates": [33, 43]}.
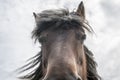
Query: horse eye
{"type": "Point", "coordinates": [83, 37]}
{"type": "Point", "coordinates": [42, 39]}
{"type": "Point", "coordinates": [79, 79]}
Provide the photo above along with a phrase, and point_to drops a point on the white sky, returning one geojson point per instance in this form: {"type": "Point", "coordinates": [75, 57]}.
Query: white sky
{"type": "Point", "coordinates": [17, 22]}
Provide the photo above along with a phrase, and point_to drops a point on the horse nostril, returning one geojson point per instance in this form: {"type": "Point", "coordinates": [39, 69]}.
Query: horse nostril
{"type": "Point", "coordinates": [79, 78]}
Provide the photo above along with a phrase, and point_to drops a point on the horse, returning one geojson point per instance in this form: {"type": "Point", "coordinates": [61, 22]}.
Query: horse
{"type": "Point", "coordinates": [63, 55]}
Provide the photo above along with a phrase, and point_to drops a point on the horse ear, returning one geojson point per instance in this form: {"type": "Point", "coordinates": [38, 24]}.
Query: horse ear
{"type": "Point", "coordinates": [35, 15]}
{"type": "Point", "coordinates": [81, 10]}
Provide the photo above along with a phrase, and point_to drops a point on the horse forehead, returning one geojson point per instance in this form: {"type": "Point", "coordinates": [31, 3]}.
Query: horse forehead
{"type": "Point", "coordinates": [63, 32]}
{"type": "Point", "coordinates": [63, 36]}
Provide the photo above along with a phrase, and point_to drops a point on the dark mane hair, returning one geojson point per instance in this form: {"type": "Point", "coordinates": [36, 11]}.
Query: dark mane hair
{"type": "Point", "coordinates": [58, 19]}
{"type": "Point", "coordinates": [92, 73]}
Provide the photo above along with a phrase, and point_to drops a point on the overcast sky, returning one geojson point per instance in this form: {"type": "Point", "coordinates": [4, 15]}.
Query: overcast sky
{"type": "Point", "coordinates": [17, 22]}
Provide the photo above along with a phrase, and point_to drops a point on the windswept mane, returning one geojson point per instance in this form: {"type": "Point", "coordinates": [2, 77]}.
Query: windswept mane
{"type": "Point", "coordinates": [36, 65]}
{"type": "Point", "coordinates": [58, 19]}
{"type": "Point", "coordinates": [91, 66]}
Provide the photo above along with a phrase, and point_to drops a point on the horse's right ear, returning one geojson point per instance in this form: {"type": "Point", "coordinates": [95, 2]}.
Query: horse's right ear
{"type": "Point", "coordinates": [35, 15]}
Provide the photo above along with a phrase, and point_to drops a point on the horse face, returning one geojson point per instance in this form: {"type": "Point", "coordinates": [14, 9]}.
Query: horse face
{"type": "Point", "coordinates": [62, 46]}
{"type": "Point", "coordinates": [63, 54]}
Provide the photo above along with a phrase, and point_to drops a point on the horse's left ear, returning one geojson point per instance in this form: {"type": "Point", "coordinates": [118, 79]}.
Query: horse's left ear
{"type": "Point", "coordinates": [81, 10]}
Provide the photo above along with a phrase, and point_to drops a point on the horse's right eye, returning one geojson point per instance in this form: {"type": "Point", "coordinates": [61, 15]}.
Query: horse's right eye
{"type": "Point", "coordinates": [42, 39]}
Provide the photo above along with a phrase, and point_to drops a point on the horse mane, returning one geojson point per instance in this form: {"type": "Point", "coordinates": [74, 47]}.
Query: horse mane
{"type": "Point", "coordinates": [57, 19]}
{"type": "Point", "coordinates": [92, 73]}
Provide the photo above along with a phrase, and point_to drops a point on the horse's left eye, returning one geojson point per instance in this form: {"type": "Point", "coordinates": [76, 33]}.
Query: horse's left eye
{"type": "Point", "coordinates": [83, 37]}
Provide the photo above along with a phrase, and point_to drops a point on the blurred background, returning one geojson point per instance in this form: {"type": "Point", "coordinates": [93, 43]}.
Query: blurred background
{"type": "Point", "coordinates": [17, 22]}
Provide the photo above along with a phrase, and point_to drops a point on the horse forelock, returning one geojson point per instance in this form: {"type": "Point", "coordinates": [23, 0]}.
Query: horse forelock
{"type": "Point", "coordinates": [57, 19]}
